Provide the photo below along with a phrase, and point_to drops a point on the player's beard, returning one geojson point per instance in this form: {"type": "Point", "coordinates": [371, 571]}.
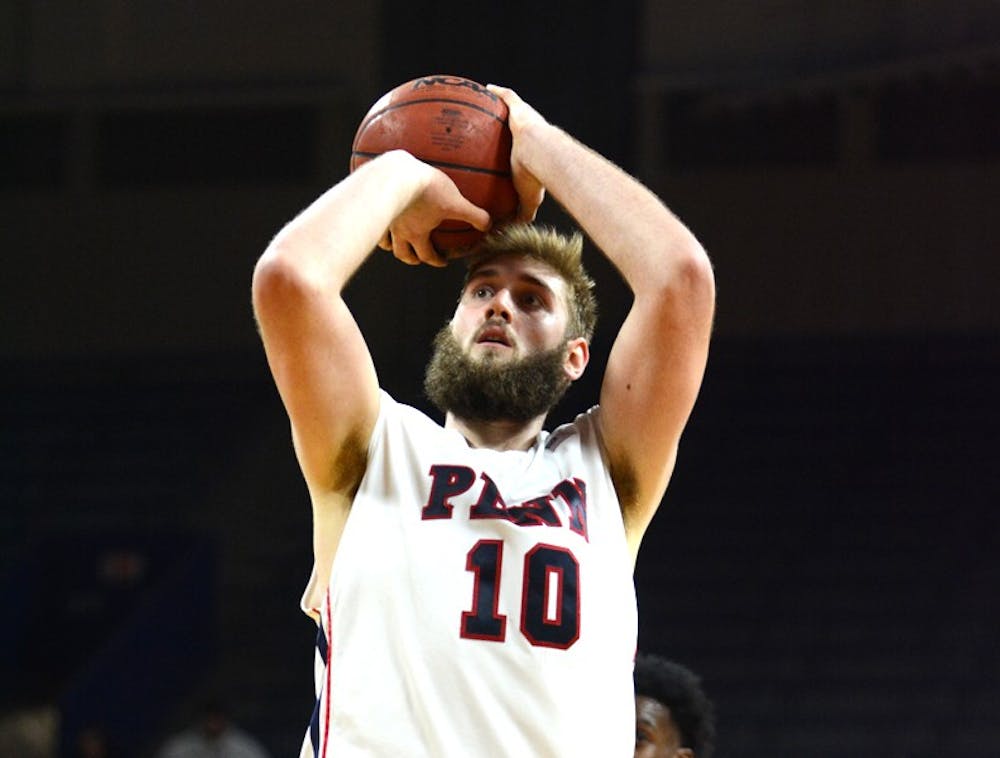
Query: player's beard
{"type": "Point", "coordinates": [490, 389]}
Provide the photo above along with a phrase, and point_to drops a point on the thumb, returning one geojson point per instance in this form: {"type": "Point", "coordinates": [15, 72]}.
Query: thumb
{"type": "Point", "coordinates": [530, 193]}
{"type": "Point", "coordinates": [472, 214]}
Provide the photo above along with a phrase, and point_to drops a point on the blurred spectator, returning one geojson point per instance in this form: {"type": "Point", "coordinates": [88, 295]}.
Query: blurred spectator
{"type": "Point", "coordinates": [673, 716]}
{"type": "Point", "coordinates": [29, 732]}
{"type": "Point", "coordinates": [214, 736]}
{"type": "Point", "coordinates": [94, 742]}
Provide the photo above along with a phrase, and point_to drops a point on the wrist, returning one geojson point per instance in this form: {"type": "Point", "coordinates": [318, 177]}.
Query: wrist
{"type": "Point", "coordinates": [538, 143]}
{"type": "Point", "coordinates": [402, 175]}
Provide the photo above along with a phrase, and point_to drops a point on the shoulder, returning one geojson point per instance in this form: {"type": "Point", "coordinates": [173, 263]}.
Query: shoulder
{"type": "Point", "coordinates": [396, 417]}
{"type": "Point", "coordinates": [579, 445]}
{"type": "Point", "coordinates": [584, 431]}
{"type": "Point", "coordinates": [402, 432]}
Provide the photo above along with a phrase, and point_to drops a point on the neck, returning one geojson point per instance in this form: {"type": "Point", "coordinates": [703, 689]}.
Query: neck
{"type": "Point", "coordinates": [497, 435]}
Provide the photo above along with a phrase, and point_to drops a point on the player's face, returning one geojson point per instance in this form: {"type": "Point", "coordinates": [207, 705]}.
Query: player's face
{"type": "Point", "coordinates": [656, 735]}
{"type": "Point", "coordinates": [512, 307]}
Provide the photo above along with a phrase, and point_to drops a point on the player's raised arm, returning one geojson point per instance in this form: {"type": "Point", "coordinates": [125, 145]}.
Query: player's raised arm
{"type": "Point", "coordinates": [316, 352]}
{"type": "Point", "coordinates": [658, 360]}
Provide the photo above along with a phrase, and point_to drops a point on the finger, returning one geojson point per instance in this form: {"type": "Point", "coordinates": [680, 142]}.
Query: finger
{"type": "Point", "coordinates": [427, 253]}
{"type": "Point", "coordinates": [530, 193]}
{"type": "Point", "coordinates": [467, 211]}
{"type": "Point", "coordinates": [504, 93]}
{"type": "Point", "coordinates": [478, 217]}
{"type": "Point", "coordinates": [518, 111]}
{"type": "Point", "coordinates": [404, 252]}
{"type": "Point", "coordinates": [386, 242]}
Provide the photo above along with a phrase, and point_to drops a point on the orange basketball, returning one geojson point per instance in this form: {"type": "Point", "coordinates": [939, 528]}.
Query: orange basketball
{"type": "Point", "coordinates": [458, 126]}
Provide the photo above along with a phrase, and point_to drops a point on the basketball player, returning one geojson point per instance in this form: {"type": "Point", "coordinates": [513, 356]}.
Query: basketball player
{"type": "Point", "coordinates": [473, 581]}
{"type": "Point", "coordinates": [673, 716]}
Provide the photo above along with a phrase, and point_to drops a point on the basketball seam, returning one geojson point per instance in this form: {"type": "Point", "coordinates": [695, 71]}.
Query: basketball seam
{"type": "Point", "coordinates": [439, 164]}
{"type": "Point", "coordinates": [394, 106]}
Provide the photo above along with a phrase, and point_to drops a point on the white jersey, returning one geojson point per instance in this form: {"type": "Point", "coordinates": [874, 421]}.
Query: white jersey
{"type": "Point", "coordinates": [480, 603]}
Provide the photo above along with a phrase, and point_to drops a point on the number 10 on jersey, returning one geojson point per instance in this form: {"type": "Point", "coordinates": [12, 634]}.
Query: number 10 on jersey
{"type": "Point", "coordinates": [550, 595]}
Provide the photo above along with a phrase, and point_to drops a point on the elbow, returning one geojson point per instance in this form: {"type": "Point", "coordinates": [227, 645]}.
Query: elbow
{"type": "Point", "coordinates": [269, 274]}
{"type": "Point", "coordinates": [690, 271]}
{"type": "Point", "coordinates": [697, 273]}
{"type": "Point", "coordinates": [276, 281]}
{"type": "Point", "coordinates": [698, 279]}
{"type": "Point", "coordinates": [689, 282]}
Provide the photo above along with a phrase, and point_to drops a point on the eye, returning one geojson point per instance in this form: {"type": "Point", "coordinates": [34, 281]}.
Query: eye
{"type": "Point", "coordinates": [481, 292]}
{"type": "Point", "coordinates": [530, 301]}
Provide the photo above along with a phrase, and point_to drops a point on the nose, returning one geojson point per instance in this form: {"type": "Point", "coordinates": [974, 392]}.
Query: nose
{"type": "Point", "coordinates": [500, 306]}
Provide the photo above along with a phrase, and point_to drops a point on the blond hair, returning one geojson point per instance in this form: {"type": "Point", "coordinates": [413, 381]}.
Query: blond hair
{"type": "Point", "coordinates": [562, 254]}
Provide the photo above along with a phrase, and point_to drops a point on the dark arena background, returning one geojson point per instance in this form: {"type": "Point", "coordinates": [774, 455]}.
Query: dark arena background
{"type": "Point", "coordinates": [826, 557]}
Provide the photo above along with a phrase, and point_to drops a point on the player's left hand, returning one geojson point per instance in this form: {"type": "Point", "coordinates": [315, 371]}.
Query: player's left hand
{"type": "Point", "coordinates": [521, 119]}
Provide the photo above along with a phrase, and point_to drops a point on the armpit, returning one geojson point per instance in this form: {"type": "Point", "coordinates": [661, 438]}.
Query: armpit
{"type": "Point", "coordinates": [348, 467]}
{"type": "Point", "coordinates": [626, 482]}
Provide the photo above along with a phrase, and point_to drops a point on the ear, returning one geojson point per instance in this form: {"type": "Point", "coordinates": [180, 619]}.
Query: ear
{"type": "Point", "coordinates": [577, 358]}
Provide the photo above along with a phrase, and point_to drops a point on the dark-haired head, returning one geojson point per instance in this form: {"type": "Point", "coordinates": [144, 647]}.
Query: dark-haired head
{"type": "Point", "coordinates": [674, 717]}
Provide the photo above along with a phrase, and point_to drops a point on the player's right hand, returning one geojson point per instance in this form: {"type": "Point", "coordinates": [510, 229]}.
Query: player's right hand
{"type": "Point", "coordinates": [435, 199]}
